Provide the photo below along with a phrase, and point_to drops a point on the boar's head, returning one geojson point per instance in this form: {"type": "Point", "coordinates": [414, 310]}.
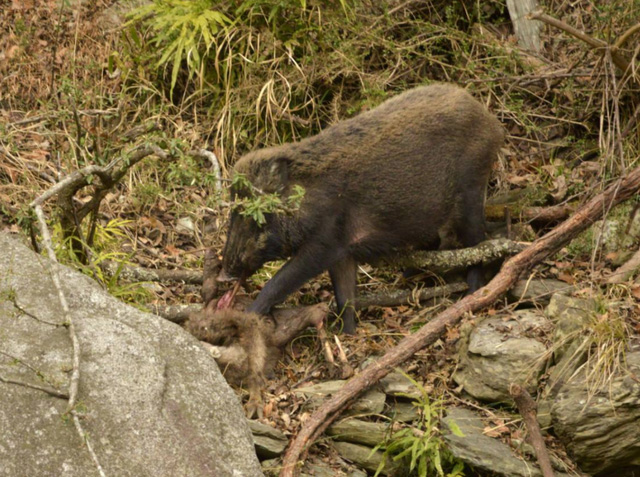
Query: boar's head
{"type": "Point", "coordinates": [250, 244]}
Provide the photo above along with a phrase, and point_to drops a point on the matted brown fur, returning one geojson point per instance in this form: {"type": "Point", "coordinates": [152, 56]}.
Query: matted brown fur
{"type": "Point", "coordinates": [242, 343]}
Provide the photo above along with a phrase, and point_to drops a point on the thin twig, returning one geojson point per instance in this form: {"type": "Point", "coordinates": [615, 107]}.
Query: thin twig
{"type": "Point", "coordinates": [53, 272]}
{"type": "Point", "coordinates": [83, 435]}
{"type": "Point", "coordinates": [51, 391]}
{"type": "Point", "coordinates": [31, 315]}
{"type": "Point", "coordinates": [22, 362]}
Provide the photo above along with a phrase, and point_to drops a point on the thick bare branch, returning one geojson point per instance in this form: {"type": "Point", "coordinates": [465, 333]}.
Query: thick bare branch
{"type": "Point", "coordinates": [135, 273]}
{"type": "Point", "coordinates": [446, 260]}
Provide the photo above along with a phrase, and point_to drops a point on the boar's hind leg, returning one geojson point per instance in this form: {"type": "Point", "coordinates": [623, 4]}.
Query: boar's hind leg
{"type": "Point", "coordinates": [471, 231]}
{"type": "Point", "coordinates": [343, 278]}
{"type": "Point", "coordinates": [306, 264]}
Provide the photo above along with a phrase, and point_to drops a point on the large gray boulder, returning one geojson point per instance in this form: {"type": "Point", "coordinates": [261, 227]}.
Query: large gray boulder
{"type": "Point", "coordinates": [153, 401]}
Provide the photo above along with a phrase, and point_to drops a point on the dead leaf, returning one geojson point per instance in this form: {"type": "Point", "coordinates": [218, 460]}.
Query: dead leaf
{"type": "Point", "coordinates": [173, 251]}
{"type": "Point", "coordinates": [452, 334]}
{"type": "Point", "coordinates": [497, 429]}
{"type": "Point", "coordinates": [566, 277]}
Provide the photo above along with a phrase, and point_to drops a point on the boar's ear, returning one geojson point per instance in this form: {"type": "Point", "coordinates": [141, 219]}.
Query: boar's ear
{"type": "Point", "coordinates": [279, 172]}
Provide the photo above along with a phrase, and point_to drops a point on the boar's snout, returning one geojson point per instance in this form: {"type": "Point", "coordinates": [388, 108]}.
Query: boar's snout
{"type": "Point", "coordinates": [224, 276]}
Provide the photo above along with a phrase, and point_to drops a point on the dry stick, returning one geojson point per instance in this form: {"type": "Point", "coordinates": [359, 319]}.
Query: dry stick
{"type": "Point", "coordinates": [136, 273]}
{"type": "Point", "coordinates": [511, 271]}
{"type": "Point", "coordinates": [619, 60]}
{"type": "Point", "coordinates": [71, 181]}
{"type": "Point", "coordinates": [75, 374]}
{"type": "Point", "coordinates": [51, 391]}
{"type": "Point", "coordinates": [553, 213]}
{"type": "Point", "coordinates": [622, 39]}
{"type": "Point", "coordinates": [403, 297]}
{"type": "Point", "coordinates": [66, 313]}
{"type": "Point", "coordinates": [527, 407]}
{"type": "Point", "coordinates": [215, 165]}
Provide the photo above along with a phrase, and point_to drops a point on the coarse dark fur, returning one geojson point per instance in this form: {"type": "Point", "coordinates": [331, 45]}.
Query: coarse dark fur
{"type": "Point", "coordinates": [404, 174]}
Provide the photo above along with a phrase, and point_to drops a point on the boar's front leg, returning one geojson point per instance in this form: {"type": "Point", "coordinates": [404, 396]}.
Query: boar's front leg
{"type": "Point", "coordinates": [471, 231]}
{"type": "Point", "coordinates": [343, 278]}
{"type": "Point", "coordinates": [309, 261]}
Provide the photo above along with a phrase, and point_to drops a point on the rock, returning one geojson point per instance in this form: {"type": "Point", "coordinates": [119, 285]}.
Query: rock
{"type": "Point", "coordinates": [359, 432]}
{"type": "Point", "coordinates": [501, 351]}
{"type": "Point", "coordinates": [371, 402]}
{"type": "Point", "coordinates": [185, 226]}
{"type": "Point", "coordinates": [269, 442]}
{"type": "Point", "coordinates": [152, 400]}
{"type": "Point", "coordinates": [527, 450]}
{"type": "Point", "coordinates": [570, 316]}
{"type": "Point", "coordinates": [271, 467]}
{"type": "Point", "coordinates": [402, 411]}
{"type": "Point", "coordinates": [397, 384]}
{"type": "Point", "coordinates": [538, 291]}
{"type": "Point", "coordinates": [600, 429]}
{"type": "Point", "coordinates": [363, 457]}
{"type": "Point", "coordinates": [483, 452]}
{"type": "Point", "coordinates": [326, 469]}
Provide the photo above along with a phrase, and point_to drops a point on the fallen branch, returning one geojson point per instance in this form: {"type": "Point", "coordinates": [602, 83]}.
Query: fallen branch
{"type": "Point", "coordinates": [142, 274]}
{"type": "Point", "coordinates": [403, 297]}
{"type": "Point", "coordinates": [447, 260]}
{"type": "Point", "coordinates": [66, 314]}
{"type": "Point", "coordinates": [435, 260]}
{"type": "Point", "coordinates": [511, 271]}
{"type": "Point", "coordinates": [109, 175]}
{"type": "Point", "coordinates": [619, 60]}
{"type": "Point", "coordinates": [180, 313]}
{"type": "Point", "coordinates": [527, 407]}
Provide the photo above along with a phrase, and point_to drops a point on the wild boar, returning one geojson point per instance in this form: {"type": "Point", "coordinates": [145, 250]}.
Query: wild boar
{"type": "Point", "coordinates": [400, 175]}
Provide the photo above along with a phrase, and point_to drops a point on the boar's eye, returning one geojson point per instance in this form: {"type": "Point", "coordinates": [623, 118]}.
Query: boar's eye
{"type": "Point", "coordinates": [245, 250]}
